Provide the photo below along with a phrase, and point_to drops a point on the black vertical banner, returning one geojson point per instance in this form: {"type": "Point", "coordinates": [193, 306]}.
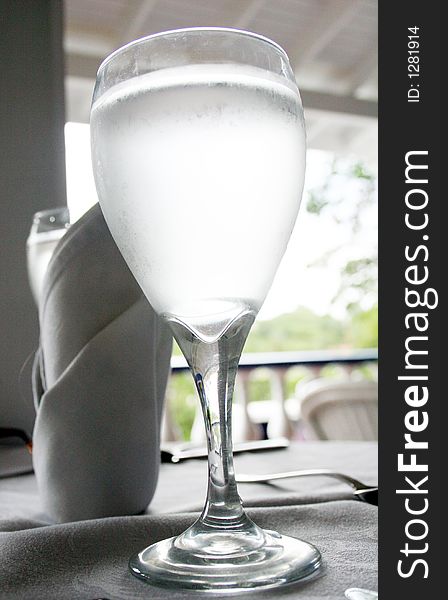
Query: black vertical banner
{"type": "Point", "coordinates": [413, 240]}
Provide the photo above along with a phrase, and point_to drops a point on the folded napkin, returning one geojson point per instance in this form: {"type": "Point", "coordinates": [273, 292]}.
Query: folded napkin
{"type": "Point", "coordinates": [99, 381]}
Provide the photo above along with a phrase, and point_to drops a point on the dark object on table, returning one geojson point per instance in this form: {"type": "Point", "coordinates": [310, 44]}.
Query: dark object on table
{"type": "Point", "coordinates": [7, 433]}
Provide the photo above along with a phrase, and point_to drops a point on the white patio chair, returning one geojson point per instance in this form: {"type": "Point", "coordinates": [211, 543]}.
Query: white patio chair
{"type": "Point", "coordinates": [340, 410]}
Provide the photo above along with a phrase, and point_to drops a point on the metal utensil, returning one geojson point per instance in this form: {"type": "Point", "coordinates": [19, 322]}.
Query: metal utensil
{"type": "Point", "coordinates": [175, 454]}
{"type": "Point", "coordinates": [360, 594]}
{"type": "Point", "coordinates": [362, 491]}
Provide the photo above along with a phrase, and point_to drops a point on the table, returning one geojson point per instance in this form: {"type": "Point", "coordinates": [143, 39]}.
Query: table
{"type": "Point", "coordinates": [88, 559]}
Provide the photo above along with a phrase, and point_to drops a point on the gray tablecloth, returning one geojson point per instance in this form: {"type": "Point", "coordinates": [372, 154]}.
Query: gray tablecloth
{"type": "Point", "coordinates": [88, 559]}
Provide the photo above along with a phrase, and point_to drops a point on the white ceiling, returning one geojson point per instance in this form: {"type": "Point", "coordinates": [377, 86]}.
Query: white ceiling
{"type": "Point", "coordinates": [332, 45]}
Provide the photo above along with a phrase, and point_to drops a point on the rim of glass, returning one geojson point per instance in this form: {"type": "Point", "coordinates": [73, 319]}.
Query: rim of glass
{"type": "Point", "coordinates": [51, 211]}
{"type": "Point", "coordinates": [141, 40]}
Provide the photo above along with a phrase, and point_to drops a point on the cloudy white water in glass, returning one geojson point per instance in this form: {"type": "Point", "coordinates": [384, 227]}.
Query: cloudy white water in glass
{"type": "Point", "coordinates": [296, 283]}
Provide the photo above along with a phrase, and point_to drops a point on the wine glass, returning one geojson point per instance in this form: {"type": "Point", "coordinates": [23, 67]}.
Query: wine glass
{"type": "Point", "coordinates": [48, 227]}
{"type": "Point", "coordinates": [198, 149]}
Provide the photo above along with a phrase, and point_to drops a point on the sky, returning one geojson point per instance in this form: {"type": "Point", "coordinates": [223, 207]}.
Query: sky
{"type": "Point", "coordinates": [297, 282]}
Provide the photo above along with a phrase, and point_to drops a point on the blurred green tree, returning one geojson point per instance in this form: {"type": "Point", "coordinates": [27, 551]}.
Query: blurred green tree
{"type": "Point", "coordinates": [348, 196]}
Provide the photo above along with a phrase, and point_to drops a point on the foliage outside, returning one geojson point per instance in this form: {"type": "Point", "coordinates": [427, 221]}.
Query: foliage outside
{"type": "Point", "coordinates": [303, 329]}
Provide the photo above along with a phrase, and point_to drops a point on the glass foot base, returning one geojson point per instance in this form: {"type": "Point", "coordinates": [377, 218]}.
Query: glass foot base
{"type": "Point", "coordinates": [226, 562]}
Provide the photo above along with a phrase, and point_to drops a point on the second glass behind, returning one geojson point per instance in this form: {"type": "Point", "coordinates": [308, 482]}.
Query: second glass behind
{"type": "Point", "coordinates": [48, 227]}
{"type": "Point", "coordinates": [198, 148]}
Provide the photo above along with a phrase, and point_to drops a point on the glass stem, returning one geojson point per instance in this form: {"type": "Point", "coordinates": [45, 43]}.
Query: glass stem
{"type": "Point", "coordinates": [215, 389]}
{"type": "Point", "coordinates": [214, 366]}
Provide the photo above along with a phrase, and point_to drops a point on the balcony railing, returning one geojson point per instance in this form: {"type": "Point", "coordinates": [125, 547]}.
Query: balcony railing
{"type": "Point", "coordinates": [311, 358]}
